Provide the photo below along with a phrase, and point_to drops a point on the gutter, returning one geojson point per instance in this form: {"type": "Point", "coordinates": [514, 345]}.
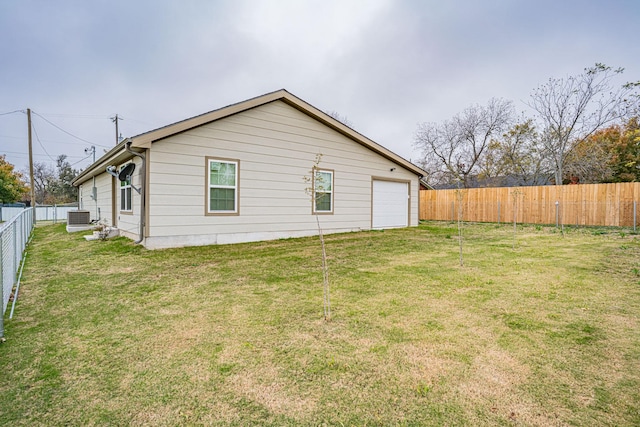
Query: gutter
{"type": "Point", "coordinates": [98, 166]}
{"type": "Point", "coordinates": [142, 189]}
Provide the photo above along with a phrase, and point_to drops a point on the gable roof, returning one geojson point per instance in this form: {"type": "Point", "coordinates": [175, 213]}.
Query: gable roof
{"type": "Point", "coordinates": [144, 140]}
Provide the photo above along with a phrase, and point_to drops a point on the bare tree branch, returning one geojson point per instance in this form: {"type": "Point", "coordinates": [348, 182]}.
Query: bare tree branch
{"type": "Point", "coordinates": [573, 108]}
{"type": "Point", "coordinates": [454, 149]}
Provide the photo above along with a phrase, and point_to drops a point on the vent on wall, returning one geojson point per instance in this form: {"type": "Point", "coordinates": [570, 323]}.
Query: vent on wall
{"type": "Point", "coordinates": [78, 217]}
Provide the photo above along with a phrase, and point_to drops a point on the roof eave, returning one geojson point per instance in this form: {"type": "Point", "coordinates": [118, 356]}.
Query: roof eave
{"type": "Point", "coordinates": [146, 139]}
{"type": "Point", "coordinates": [350, 133]}
{"type": "Point", "coordinates": [117, 153]}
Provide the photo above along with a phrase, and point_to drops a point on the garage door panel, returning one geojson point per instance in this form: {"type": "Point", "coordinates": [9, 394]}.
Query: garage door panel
{"type": "Point", "coordinates": [390, 204]}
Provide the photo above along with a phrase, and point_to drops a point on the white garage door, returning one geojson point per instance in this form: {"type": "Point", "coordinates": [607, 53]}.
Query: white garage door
{"type": "Point", "coordinates": [390, 204]}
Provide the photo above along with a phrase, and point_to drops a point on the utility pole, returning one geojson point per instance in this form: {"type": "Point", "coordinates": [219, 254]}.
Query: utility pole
{"type": "Point", "coordinates": [33, 186]}
{"type": "Point", "coordinates": [115, 120]}
{"type": "Point", "coordinates": [91, 150]}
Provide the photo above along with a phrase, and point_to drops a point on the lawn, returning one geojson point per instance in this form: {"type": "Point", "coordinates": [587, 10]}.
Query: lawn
{"type": "Point", "coordinates": [542, 332]}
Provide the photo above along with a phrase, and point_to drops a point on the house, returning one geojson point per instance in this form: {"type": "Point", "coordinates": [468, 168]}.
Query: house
{"type": "Point", "coordinates": [424, 185]}
{"type": "Point", "coordinates": [236, 174]}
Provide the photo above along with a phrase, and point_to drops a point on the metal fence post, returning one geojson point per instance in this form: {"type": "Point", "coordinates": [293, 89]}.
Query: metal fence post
{"type": "Point", "coordinates": [635, 206]}
{"type": "Point", "coordinates": [498, 212]}
{"type": "Point", "coordinates": [15, 245]}
{"type": "Point", "coordinates": [453, 211]}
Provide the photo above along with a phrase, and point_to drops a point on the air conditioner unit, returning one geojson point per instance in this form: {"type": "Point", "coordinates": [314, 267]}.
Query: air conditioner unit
{"type": "Point", "coordinates": [78, 217]}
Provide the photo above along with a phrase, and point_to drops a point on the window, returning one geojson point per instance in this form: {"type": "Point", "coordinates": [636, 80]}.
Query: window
{"type": "Point", "coordinates": [125, 194]}
{"type": "Point", "coordinates": [222, 186]}
{"type": "Point", "coordinates": [323, 191]}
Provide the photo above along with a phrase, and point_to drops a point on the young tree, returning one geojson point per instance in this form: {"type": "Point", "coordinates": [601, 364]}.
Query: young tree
{"type": "Point", "coordinates": [570, 109]}
{"type": "Point", "coordinates": [515, 195]}
{"type": "Point", "coordinates": [12, 184]}
{"type": "Point", "coordinates": [317, 190]}
{"type": "Point", "coordinates": [460, 197]}
{"type": "Point", "coordinates": [455, 149]}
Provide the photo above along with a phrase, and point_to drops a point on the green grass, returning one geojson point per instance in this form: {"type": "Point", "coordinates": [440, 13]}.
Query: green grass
{"type": "Point", "coordinates": [548, 333]}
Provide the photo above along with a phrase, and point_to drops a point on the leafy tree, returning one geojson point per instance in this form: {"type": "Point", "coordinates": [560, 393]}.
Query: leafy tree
{"type": "Point", "coordinates": [591, 159]}
{"type": "Point", "coordinates": [611, 154]}
{"type": "Point", "coordinates": [44, 182]}
{"type": "Point", "coordinates": [455, 149]}
{"type": "Point", "coordinates": [63, 190]}
{"type": "Point", "coordinates": [573, 108]}
{"type": "Point", "coordinates": [12, 184]}
{"type": "Point", "coordinates": [517, 158]}
{"type": "Point", "coordinates": [54, 185]}
{"type": "Point", "coordinates": [626, 154]}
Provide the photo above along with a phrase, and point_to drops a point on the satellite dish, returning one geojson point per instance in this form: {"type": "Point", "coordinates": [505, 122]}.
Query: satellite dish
{"type": "Point", "coordinates": [126, 172]}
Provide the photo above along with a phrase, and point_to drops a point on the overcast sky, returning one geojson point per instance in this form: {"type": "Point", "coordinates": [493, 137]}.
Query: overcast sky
{"type": "Point", "coordinates": [385, 65]}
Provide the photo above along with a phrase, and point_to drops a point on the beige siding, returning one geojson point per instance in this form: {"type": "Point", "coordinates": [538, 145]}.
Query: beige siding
{"type": "Point", "coordinates": [129, 222]}
{"type": "Point", "coordinates": [100, 207]}
{"type": "Point", "coordinates": [103, 185]}
{"type": "Point", "coordinates": [276, 146]}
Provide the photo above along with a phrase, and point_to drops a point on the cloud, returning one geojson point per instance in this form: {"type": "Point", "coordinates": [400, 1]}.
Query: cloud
{"type": "Point", "coordinates": [385, 65]}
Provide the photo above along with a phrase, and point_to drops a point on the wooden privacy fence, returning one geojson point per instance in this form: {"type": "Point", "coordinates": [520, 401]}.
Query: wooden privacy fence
{"type": "Point", "coordinates": [583, 204]}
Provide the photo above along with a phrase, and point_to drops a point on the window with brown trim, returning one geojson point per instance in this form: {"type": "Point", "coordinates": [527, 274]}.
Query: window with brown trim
{"type": "Point", "coordinates": [222, 184]}
{"type": "Point", "coordinates": [323, 191]}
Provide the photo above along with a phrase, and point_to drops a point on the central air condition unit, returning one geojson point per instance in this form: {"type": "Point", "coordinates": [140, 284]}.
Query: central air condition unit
{"type": "Point", "coordinates": [78, 217]}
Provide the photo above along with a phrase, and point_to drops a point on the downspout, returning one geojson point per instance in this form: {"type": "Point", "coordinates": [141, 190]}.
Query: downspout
{"type": "Point", "coordinates": [142, 187]}
{"type": "Point", "coordinates": [94, 196]}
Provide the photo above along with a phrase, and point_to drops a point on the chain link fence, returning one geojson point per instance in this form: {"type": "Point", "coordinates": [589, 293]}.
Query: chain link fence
{"type": "Point", "coordinates": [14, 236]}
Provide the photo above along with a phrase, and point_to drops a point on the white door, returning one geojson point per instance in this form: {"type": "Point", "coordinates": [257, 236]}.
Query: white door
{"type": "Point", "coordinates": [390, 204]}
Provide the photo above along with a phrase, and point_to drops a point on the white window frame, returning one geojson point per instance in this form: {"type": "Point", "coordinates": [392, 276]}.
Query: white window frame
{"type": "Point", "coordinates": [316, 193]}
{"type": "Point", "coordinates": [126, 197]}
{"type": "Point", "coordinates": [209, 186]}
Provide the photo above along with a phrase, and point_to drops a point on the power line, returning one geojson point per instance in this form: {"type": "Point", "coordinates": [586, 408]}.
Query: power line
{"type": "Point", "coordinates": [73, 164]}
{"type": "Point", "coordinates": [22, 153]}
{"type": "Point", "coordinates": [11, 112]}
{"type": "Point", "coordinates": [33, 126]}
{"type": "Point", "coordinates": [68, 133]}
{"type": "Point", "coordinates": [76, 116]}
{"type": "Point", "coordinates": [53, 141]}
